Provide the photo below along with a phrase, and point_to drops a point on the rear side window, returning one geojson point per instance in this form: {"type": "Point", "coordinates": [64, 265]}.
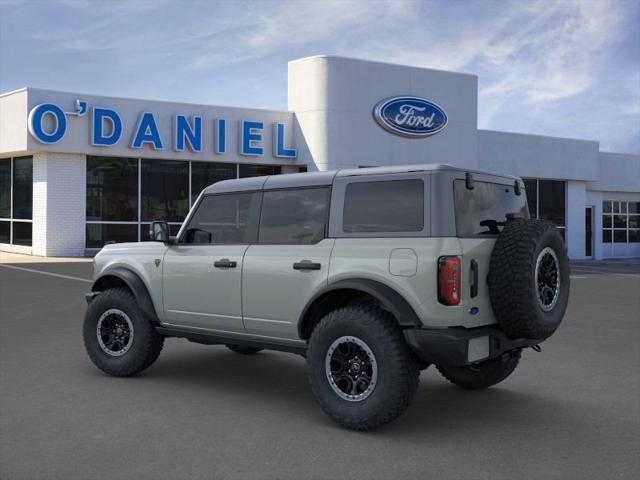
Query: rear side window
{"type": "Point", "coordinates": [224, 219]}
{"type": "Point", "coordinates": [384, 206]}
{"type": "Point", "coordinates": [483, 210]}
{"type": "Point", "coordinates": [294, 216]}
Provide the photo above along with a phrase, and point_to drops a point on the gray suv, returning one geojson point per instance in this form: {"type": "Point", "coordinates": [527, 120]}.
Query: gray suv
{"type": "Point", "coordinates": [370, 274]}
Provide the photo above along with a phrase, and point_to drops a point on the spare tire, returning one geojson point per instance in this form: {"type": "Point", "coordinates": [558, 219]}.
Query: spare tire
{"type": "Point", "coordinates": [529, 279]}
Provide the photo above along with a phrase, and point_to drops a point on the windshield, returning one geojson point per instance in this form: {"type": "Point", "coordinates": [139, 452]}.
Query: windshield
{"type": "Point", "coordinates": [484, 210]}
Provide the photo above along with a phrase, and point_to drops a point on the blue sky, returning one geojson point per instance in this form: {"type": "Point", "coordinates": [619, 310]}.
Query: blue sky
{"type": "Point", "coordinates": [563, 68]}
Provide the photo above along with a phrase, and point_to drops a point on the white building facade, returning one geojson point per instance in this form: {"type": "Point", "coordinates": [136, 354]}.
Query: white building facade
{"type": "Point", "coordinates": [77, 170]}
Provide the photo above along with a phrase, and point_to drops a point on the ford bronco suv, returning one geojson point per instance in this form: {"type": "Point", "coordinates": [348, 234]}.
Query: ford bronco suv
{"type": "Point", "coordinates": [370, 274]}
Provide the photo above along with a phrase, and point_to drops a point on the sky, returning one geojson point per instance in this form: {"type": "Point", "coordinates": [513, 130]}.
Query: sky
{"type": "Point", "coordinates": [568, 68]}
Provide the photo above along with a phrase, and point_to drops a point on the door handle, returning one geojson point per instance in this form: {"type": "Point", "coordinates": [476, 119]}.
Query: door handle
{"type": "Point", "coordinates": [224, 263]}
{"type": "Point", "coordinates": [306, 265]}
{"type": "Point", "coordinates": [474, 279]}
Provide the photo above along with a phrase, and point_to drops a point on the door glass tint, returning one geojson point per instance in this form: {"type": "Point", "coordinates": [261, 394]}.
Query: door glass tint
{"type": "Point", "coordinates": [296, 216]}
{"type": "Point", "coordinates": [224, 219]}
{"type": "Point", "coordinates": [389, 206]}
{"type": "Point", "coordinates": [483, 210]}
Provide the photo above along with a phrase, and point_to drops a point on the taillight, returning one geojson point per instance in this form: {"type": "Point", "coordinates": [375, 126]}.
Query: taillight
{"type": "Point", "coordinates": [449, 280]}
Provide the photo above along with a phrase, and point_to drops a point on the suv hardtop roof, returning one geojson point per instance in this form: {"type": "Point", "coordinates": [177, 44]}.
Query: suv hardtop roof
{"type": "Point", "coordinates": [312, 179]}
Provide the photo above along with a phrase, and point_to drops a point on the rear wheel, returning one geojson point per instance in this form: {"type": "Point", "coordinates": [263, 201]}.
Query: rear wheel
{"type": "Point", "coordinates": [482, 375]}
{"type": "Point", "coordinates": [241, 349]}
{"type": "Point", "coordinates": [361, 371]}
{"type": "Point", "coordinates": [120, 340]}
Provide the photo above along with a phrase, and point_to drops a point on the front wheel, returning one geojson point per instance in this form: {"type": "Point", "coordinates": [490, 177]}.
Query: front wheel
{"type": "Point", "coordinates": [361, 371]}
{"type": "Point", "coordinates": [118, 337]}
{"type": "Point", "coordinates": [482, 375]}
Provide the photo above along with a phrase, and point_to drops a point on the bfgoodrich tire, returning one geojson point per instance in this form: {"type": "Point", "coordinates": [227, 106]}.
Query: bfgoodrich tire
{"type": "Point", "coordinates": [529, 279]}
{"type": "Point", "coordinates": [361, 372]}
{"type": "Point", "coordinates": [119, 339]}
{"type": "Point", "coordinates": [483, 375]}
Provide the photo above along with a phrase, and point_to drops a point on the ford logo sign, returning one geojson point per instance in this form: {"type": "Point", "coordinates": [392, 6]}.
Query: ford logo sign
{"type": "Point", "coordinates": [410, 116]}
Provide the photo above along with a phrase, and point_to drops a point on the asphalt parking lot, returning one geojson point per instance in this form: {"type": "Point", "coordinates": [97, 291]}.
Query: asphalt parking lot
{"type": "Point", "coordinates": [572, 411]}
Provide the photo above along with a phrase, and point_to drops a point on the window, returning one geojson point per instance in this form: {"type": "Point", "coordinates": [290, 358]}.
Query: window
{"type": "Point", "coordinates": [5, 188]}
{"type": "Point", "coordinates": [384, 206]}
{"type": "Point", "coordinates": [547, 201]}
{"type": "Point", "coordinates": [22, 187]}
{"type": "Point", "coordinates": [165, 190]}
{"type": "Point", "coordinates": [204, 174]}
{"type": "Point", "coordinates": [124, 195]}
{"type": "Point", "coordinates": [100, 233]}
{"type": "Point", "coordinates": [295, 216]}
{"type": "Point", "coordinates": [483, 210]}
{"type": "Point", "coordinates": [16, 200]}
{"type": "Point", "coordinates": [620, 222]}
{"type": "Point", "coordinates": [112, 189]}
{"type": "Point", "coordinates": [259, 170]}
{"type": "Point", "coordinates": [224, 219]}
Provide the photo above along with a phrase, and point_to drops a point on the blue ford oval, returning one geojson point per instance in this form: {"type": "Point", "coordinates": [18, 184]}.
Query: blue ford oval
{"type": "Point", "coordinates": [410, 116]}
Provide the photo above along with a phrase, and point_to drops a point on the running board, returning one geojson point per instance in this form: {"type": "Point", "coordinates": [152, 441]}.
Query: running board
{"type": "Point", "coordinates": [206, 338]}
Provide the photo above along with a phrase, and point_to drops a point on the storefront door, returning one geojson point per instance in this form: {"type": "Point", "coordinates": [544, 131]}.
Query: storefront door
{"type": "Point", "coordinates": [588, 232]}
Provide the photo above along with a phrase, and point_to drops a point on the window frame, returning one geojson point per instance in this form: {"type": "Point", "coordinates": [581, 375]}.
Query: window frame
{"type": "Point", "coordinates": [338, 200]}
{"type": "Point", "coordinates": [327, 217]}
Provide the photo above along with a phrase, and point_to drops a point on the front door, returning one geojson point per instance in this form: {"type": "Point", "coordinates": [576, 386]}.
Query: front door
{"type": "Point", "coordinates": [588, 232]}
{"type": "Point", "coordinates": [289, 263]}
{"type": "Point", "coordinates": [202, 272]}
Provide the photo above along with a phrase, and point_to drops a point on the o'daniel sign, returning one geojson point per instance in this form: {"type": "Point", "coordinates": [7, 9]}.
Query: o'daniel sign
{"type": "Point", "coordinates": [107, 129]}
{"type": "Point", "coordinates": [408, 116]}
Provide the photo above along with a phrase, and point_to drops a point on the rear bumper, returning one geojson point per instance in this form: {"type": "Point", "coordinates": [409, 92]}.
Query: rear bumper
{"type": "Point", "coordinates": [459, 346]}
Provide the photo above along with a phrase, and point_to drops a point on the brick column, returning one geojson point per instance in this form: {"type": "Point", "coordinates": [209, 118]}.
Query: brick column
{"type": "Point", "coordinates": [59, 204]}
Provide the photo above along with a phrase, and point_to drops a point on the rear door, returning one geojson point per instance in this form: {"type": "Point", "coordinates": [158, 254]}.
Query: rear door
{"type": "Point", "coordinates": [289, 263]}
{"type": "Point", "coordinates": [480, 215]}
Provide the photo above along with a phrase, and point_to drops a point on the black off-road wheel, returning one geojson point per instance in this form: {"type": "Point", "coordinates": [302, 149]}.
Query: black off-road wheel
{"type": "Point", "coordinates": [362, 373]}
{"type": "Point", "coordinates": [120, 340]}
{"type": "Point", "coordinates": [529, 279]}
{"type": "Point", "coordinates": [482, 375]}
{"type": "Point", "coordinates": [242, 350]}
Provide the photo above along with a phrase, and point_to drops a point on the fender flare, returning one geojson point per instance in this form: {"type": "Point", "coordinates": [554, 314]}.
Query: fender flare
{"type": "Point", "coordinates": [135, 284]}
{"type": "Point", "coordinates": [390, 299]}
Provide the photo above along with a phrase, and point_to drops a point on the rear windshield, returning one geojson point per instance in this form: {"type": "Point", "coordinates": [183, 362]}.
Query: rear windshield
{"type": "Point", "coordinates": [483, 210]}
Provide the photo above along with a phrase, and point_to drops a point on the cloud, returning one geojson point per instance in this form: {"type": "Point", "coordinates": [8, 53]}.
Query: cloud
{"type": "Point", "coordinates": [543, 66]}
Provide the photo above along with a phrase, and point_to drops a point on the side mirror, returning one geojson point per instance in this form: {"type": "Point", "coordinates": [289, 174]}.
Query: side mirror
{"type": "Point", "coordinates": [159, 232]}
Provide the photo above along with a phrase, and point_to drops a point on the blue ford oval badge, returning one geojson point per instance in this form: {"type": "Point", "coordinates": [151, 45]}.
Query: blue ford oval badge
{"type": "Point", "coordinates": [410, 116]}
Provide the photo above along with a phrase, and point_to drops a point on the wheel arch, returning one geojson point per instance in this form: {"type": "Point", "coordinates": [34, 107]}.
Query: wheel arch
{"type": "Point", "coordinates": [347, 291]}
{"type": "Point", "coordinates": [122, 277]}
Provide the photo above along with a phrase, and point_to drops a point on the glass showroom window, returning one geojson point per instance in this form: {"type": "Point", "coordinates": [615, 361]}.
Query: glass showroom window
{"type": "Point", "coordinates": [16, 200]}
{"type": "Point", "coordinates": [204, 174]}
{"type": "Point", "coordinates": [112, 200]}
{"type": "Point", "coordinates": [547, 201]}
{"type": "Point", "coordinates": [164, 194]}
{"type": "Point", "coordinates": [621, 222]}
{"type": "Point", "coordinates": [259, 170]}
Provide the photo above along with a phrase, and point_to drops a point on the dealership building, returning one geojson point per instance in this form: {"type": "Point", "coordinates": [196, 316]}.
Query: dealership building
{"type": "Point", "coordinates": [79, 170]}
